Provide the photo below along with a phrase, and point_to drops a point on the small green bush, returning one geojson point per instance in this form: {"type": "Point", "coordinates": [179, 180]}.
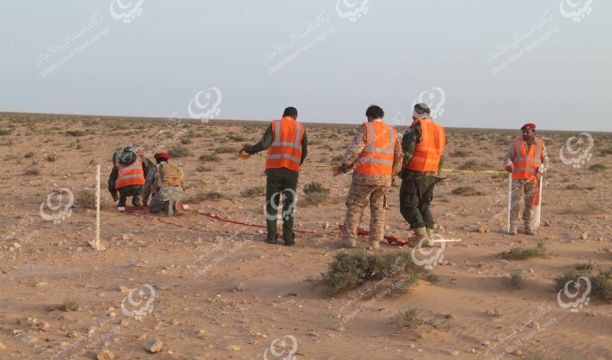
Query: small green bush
{"type": "Point", "coordinates": [315, 193]}
{"type": "Point", "coordinates": [523, 254]}
{"type": "Point", "coordinates": [75, 133]}
{"type": "Point", "coordinates": [225, 150]}
{"type": "Point", "coordinates": [467, 191]}
{"type": "Point", "coordinates": [209, 157]}
{"type": "Point", "coordinates": [601, 283]}
{"type": "Point", "coordinates": [598, 167]}
{"type": "Point", "coordinates": [515, 281]}
{"type": "Point", "coordinates": [179, 151]}
{"type": "Point", "coordinates": [86, 199]}
{"type": "Point", "coordinates": [350, 270]}
{"type": "Point", "coordinates": [254, 191]}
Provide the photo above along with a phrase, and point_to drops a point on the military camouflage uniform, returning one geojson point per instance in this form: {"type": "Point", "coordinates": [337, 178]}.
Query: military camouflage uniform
{"type": "Point", "coordinates": [417, 189]}
{"type": "Point", "coordinates": [526, 189]}
{"type": "Point", "coordinates": [165, 198]}
{"type": "Point", "coordinates": [366, 188]}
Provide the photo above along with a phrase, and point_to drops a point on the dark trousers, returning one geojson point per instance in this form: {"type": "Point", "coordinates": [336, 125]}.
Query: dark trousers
{"type": "Point", "coordinates": [130, 190]}
{"type": "Point", "coordinates": [416, 193]}
{"type": "Point", "coordinates": [278, 185]}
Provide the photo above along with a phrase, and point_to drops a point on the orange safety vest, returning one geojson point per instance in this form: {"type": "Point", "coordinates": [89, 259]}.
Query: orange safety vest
{"type": "Point", "coordinates": [429, 151]}
{"type": "Point", "coordinates": [525, 164]}
{"type": "Point", "coordinates": [377, 157]}
{"type": "Point", "coordinates": [286, 148]}
{"type": "Point", "coordinates": [132, 174]}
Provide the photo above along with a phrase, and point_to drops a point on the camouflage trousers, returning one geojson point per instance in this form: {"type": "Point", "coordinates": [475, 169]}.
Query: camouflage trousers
{"type": "Point", "coordinates": [358, 198]}
{"type": "Point", "coordinates": [165, 200]}
{"type": "Point", "coordinates": [522, 189]}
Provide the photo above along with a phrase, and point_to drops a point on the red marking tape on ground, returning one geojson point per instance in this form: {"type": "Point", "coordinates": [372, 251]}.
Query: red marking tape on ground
{"type": "Point", "coordinates": [391, 239]}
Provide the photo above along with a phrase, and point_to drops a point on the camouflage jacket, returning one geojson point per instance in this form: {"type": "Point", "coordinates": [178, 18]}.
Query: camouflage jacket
{"type": "Point", "coordinates": [356, 147]}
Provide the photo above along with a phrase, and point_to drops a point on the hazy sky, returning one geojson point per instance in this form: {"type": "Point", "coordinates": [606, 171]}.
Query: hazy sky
{"type": "Point", "coordinates": [480, 63]}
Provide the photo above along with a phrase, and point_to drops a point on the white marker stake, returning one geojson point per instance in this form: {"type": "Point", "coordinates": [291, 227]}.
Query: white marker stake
{"type": "Point", "coordinates": [96, 244]}
{"type": "Point", "coordinates": [539, 209]}
{"type": "Point", "coordinates": [509, 199]}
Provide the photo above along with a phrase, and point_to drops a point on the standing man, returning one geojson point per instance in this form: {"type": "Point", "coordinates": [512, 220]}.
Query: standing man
{"type": "Point", "coordinates": [527, 160]}
{"type": "Point", "coordinates": [287, 146]}
{"type": "Point", "coordinates": [423, 145]}
{"type": "Point", "coordinates": [127, 177]}
{"type": "Point", "coordinates": [165, 182]}
{"type": "Point", "coordinates": [375, 155]}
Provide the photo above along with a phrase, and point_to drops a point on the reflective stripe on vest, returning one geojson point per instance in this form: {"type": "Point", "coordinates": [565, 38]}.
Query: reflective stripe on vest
{"type": "Point", "coordinates": [132, 174]}
{"type": "Point", "coordinates": [286, 148]}
{"type": "Point", "coordinates": [378, 155]}
{"type": "Point", "coordinates": [526, 162]}
{"type": "Point", "coordinates": [429, 151]}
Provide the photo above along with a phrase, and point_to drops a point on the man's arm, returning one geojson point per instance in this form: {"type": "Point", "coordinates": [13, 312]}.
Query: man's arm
{"type": "Point", "coordinates": [409, 140]}
{"type": "Point", "coordinates": [397, 156]}
{"type": "Point", "coordinates": [354, 149]}
{"type": "Point", "coordinates": [112, 179]}
{"type": "Point", "coordinates": [304, 147]}
{"type": "Point", "coordinates": [509, 157]}
{"type": "Point", "coordinates": [263, 144]}
{"type": "Point", "coordinates": [545, 160]}
{"type": "Point", "coordinates": [148, 186]}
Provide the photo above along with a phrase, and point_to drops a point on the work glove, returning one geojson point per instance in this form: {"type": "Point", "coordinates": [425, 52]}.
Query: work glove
{"type": "Point", "coordinates": [508, 168]}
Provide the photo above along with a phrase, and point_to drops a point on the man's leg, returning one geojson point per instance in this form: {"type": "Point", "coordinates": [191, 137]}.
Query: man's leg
{"type": "Point", "coordinates": [426, 187]}
{"type": "Point", "coordinates": [357, 199]}
{"type": "Point", "coordinates": [123, 194]}
{"type": "Point", "coordinates": [515, 204]}
{"type": "Point", "coordinates": [409, 204]}
{"type": "Point", "coordinates": [157, 205]}
{"type": "Point", "coordinates": [530, 189]}
{"type": "Point", "coordinates": [273, 194]}
{"type": "Point", "coordinates": [289, 202]}
{"type": "Point", "coordinates": [378, 199]}
{"type": "Point", "coordinates": [137, 193]}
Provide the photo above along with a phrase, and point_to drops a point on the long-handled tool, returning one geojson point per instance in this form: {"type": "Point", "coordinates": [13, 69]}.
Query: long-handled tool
{"type": "Point", "coordinates": [509, 200]}
{"type": "Point", "coordinates": [538, 213]}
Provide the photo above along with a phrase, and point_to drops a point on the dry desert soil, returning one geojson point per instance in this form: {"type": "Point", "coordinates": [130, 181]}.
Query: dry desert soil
{"type": "Point", "coordinates": [209, 289]}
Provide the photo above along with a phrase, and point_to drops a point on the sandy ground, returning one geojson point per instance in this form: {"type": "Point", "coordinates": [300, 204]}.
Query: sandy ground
{"type": "Point", "coordinates": [213, 290]}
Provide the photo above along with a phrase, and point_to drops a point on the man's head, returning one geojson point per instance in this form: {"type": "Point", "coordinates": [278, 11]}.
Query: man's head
{"type": "Point", "coordinates": [374, 112]}
{"type": "Point", "coordinates": [528, 131]}
{"type": "Point", "coordinates": [290, 112]}
{"type": "Point", "coordinates": [161, 156]}
{"type": "Point", "coordinates": [421, 111]}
